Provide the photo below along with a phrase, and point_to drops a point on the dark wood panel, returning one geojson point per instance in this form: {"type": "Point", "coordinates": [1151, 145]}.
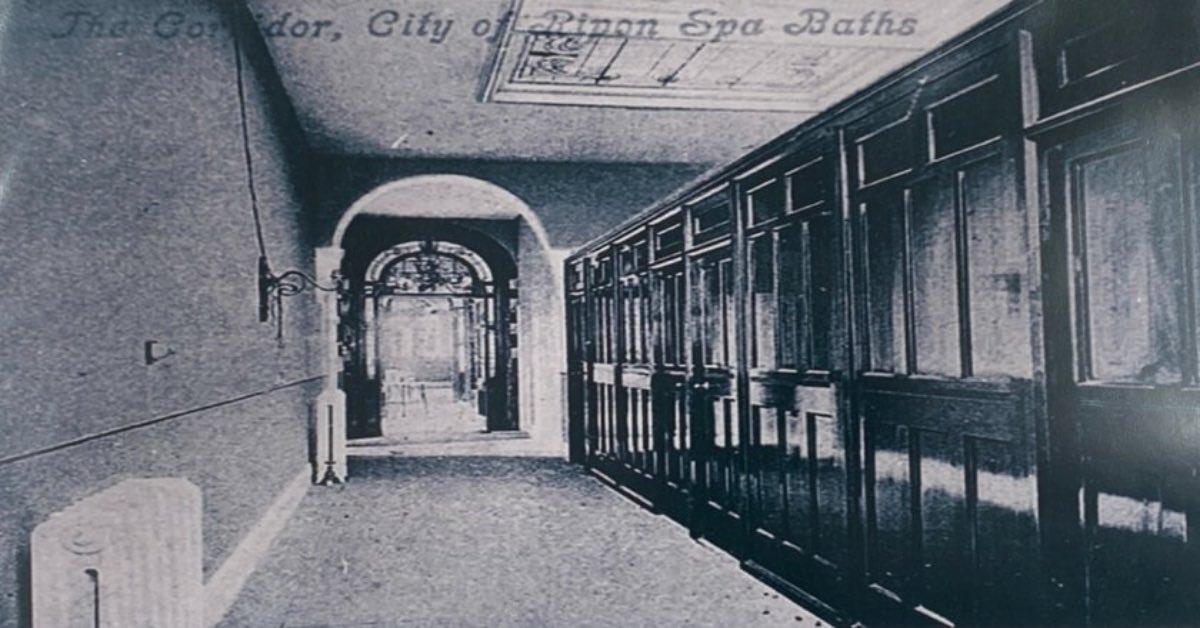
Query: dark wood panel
{"type": "Point", "coordinates": [853, 320]}
{"type": "Point", "coordinates": [1084, 53]}
{"type": "Point", "coordinates": [985, 412]}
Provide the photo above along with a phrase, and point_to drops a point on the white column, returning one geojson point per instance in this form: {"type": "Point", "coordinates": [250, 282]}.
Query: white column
{"type": "Point", "coordinates": [329, 459]}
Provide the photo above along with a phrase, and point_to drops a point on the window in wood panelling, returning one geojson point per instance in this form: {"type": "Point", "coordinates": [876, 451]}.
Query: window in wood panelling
{"type": "Point", "coordinates": [631, 257]}
{"type": "Point", "coordinates": [632, 336]}
{"type": "Point", "coordinates": [823, 275]}
{"type": "Point", "coordinates": [715, 282]}
{"type": "Point", "coordinates": [997, 252]}
{"type": "Point", "coordinates": [886, 153]}
{"type": "Point", "coordinates": [885, 286]}
{"type": "Point", "coordinates": [680, 311]}
{"type": "Point", "coordinates": [575, 276]}
{"type": "Point", "coordinates": [668, 238]}
{"type": "Point", "coordinates": [626, 320]}
{"type": "Point", "coordinates": [935, 278]}
{"type": "Point", "coordinates": [579, 335]}
{"type": "Point", "coordinates": [602, 270]}
{"type": "Point", "coordinates": [671, 293]}
{"type": "Point", "coordinates": [645, 328]}
{"type": "Point", "coordinates": [972, 117]}
{"type": "Point", "coordinates": [603, 331]}
{"type": "Point", "coordinates": [767, 201]}
{"type": "Point", "coordinates": [793, 297]}
{"type": "Point", "coordinates": [807, 270]}
{"type": "Point", "coordinates": [713, 329]}
{"type": "Point", "coordinates": [1131, 251]}
{"type": "Point", "coordinates": [641, 322]}
{"type": "Point", "coordinates": [598, 329]}
{"type": "Point", "coordinates": [809, 185]}
{"type": "Point", "coordinates": [719, 316]}
{"type": "Point", "coordinates": [727, 300]}
{"type": "Point", "coordinates": [609, 325]}
{"type": "Point", "coordinates": [764, 313]}
{"type": "Point", "coordinates": [634, 321]}
{"type": "Point", "coordinates": [711, 216]}
{"type": "Point", "coordinates": [664, 348]}
{"type": "Point", "coordinates": [1101, 49]}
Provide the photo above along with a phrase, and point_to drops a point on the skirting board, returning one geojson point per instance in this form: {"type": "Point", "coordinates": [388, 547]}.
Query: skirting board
{"type": "Point", "coordinates": [223, 588]}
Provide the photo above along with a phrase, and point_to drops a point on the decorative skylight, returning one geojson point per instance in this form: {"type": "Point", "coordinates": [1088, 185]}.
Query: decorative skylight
{"type": "Point", "coordinates": [769, 55]}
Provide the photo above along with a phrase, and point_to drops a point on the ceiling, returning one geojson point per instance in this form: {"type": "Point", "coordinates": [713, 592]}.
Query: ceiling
{"type": "Point", "coordinates": [584, 80]}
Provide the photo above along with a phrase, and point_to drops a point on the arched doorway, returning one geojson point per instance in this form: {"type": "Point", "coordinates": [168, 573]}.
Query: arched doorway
{"type": "Point", "coordinates": [439, 341]}
{"type": "Point", "coordinates": [430, 329]}
{"type": "Point", "coordinates": [441, 207]}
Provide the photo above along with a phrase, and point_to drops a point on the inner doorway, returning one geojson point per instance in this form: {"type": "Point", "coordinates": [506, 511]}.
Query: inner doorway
{"type": "Point", "coordinates": [434, 354]}
{"type": "Point", "coordinates": [435, 357]}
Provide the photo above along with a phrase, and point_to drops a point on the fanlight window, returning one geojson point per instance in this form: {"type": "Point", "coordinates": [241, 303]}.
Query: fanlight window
{"type": "Point", "coordinates": [429, 268]}
{"type": "Point", "coordinates": [431, 273]}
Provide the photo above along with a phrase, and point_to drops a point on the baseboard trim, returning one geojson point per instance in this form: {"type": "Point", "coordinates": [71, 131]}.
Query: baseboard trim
{"type": "Point", "coordinates": [223, 588]}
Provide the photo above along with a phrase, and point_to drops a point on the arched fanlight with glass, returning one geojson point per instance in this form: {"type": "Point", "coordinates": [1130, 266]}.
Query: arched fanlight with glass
{"type": "Point", "coordinates": [428, 268]}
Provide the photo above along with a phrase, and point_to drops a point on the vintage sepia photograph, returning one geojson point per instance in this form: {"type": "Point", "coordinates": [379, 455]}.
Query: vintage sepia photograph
{"type": "Point", "coordinates": [599, 313]}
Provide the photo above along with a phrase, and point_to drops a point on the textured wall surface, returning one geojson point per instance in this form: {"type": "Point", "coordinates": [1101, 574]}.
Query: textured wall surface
{"type": "Point", "coordinates": [124, 217]}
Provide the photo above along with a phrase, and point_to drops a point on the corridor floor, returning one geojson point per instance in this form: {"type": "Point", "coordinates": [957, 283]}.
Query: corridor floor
{"type": "Point", "coordinates": [475, 541]}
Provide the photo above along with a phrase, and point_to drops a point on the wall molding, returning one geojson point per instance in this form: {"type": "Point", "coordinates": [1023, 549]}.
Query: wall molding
{"type": "Point", "coordinates": [223, 588]}
{"type": "Point", "coordinates": [33, 453]}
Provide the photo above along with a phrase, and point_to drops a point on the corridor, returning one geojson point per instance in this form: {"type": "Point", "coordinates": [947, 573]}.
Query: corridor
{"type": "Point", "coordinates": [599, 313]}
{"type": "Point", "coordinates": [490, 541]}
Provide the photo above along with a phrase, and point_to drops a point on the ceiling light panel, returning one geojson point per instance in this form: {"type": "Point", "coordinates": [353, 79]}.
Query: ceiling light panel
{"type": "Point", "coordinates": [770, 55]}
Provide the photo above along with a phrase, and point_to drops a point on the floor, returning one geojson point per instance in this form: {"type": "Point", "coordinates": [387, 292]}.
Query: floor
{"type": "Point", "coordinates": [493, 541]}
{"type": "Point", "coordinates": [428, 411]}
{"type": "Point", "coordinates": [491, 444]}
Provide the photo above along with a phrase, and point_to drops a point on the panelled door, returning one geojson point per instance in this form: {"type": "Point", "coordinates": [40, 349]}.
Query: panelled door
{"type": "Point", "coordinates": [715, 440]}
{"type": "Point", "coordinates": [800, 464]}
{"type": "Point", "coordinates": [667, 458]}
{"type": "Point", "coordinates": [944, 376]}
{"type": "Point", "coordinates": [600, 369]}
{"type": "Point", "coordinates": [637, 372]}
{"type": "Point", "coordinates": [1120, 270]}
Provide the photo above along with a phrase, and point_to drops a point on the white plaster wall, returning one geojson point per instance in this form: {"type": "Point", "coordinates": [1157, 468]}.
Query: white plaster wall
{"type": "Point", "coordinates": [542, 350]}
{"type": "Point", "coordinates": [124, 217]}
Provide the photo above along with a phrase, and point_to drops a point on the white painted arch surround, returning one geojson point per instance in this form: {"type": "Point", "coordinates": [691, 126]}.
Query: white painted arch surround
{"type": "Point", "coordinates": [541, 348]}
{"type": "Point", "coordinates": [441, 196]}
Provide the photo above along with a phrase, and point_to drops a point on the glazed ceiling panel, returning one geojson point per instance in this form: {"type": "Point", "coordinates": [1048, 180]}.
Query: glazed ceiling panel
{"type": "Point", "coordinates": [771, 55]}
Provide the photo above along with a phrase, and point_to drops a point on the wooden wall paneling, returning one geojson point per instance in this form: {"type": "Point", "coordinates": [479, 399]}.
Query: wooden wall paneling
{"type": "Point", "coordinates": [938, 440]}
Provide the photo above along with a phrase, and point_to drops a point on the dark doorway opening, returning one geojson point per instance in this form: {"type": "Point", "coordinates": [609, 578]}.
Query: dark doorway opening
{"type": "Point", "coordinates": [430, 331]}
